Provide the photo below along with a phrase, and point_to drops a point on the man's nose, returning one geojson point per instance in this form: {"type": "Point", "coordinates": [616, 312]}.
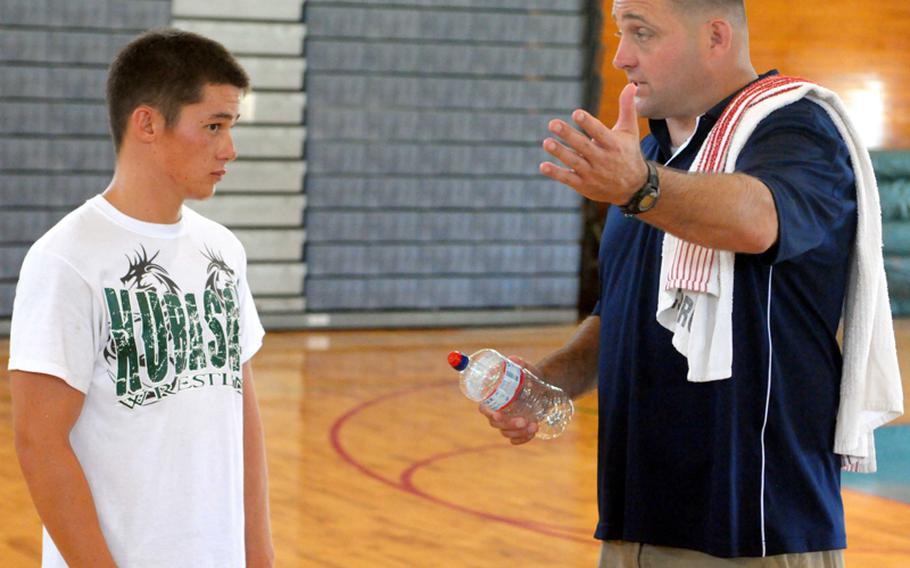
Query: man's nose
{"type": "Point", "coordinates": [624, 58]}
{"type": "Point", "coordinates": [229, 152]}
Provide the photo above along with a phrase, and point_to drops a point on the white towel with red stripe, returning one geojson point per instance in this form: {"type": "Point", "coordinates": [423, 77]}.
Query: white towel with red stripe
{"type": "Point", "coordinates": [696, 298]}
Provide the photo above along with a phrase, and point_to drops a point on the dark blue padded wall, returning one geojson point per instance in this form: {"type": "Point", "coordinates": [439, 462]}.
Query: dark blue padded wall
{"type": "Point", "coordinates": [424, 123]}
{"type": "Point", "coordinates": [54, 145]}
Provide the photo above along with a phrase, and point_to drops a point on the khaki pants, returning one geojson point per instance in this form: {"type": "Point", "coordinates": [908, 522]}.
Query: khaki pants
{"type": "Point", "coordinates": [618, 554]}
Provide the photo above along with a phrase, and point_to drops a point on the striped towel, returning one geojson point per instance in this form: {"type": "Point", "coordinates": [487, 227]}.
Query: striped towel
{"type": "Point", "coordinates": [696, 298]}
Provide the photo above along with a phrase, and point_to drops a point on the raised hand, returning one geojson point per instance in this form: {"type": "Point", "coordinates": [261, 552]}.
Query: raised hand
{"type": "Point", "coordinates": [601, 163]}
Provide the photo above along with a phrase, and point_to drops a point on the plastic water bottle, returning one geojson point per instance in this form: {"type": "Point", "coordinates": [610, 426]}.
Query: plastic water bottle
{"type": "Point", "coordinates": [500, 384]}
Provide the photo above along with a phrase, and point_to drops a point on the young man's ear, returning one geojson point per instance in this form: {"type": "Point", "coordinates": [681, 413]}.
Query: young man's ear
{"type": "Point", "coordinates": [145, 124]}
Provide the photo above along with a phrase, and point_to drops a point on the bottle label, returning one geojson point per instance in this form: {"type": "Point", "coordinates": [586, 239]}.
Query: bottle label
{"type": "Point", "coordinates": [508, 388]}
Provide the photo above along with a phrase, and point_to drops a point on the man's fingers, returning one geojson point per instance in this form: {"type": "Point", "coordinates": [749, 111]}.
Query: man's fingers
{"type": "Point", "coordinates": [628, 116]}
{"type": "Point", "coordinates": [567, 156]}
{"type": "Point", "coordinates": [522, 436]}
{"type": "Point", "coordinates": [596, 130]}
{"type": "Point", "coordinates": [511, 434]}
{"type": "Point", "coordinates": [579, 142]}
{"type": "Point", "coordinates": [504, 421]}
{"type": "Point", "coordinates": [518, 430]}
{"type": "Point", "coordinates": [487, 411]}
{"type": "Point", "coordinates": [508, 423]}
{"type": "Point", "coordinates": [562, 175]}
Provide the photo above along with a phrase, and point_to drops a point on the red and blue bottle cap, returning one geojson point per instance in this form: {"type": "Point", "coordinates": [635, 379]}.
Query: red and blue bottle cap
{"type": "Point", "coordinates": [458, 361]}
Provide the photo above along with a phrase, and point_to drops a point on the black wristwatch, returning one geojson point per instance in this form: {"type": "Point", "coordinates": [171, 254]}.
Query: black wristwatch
{"type": "Point", "coordinates": [645, 198]}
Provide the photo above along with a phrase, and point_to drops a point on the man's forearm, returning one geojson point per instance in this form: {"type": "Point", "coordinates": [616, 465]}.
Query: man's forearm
{"type": "Point", "coordinates": [64, 502]}
{"type": "Point", "coordinates": [573, 367]}
{"type": "Point", "coordinates": [734, 212]}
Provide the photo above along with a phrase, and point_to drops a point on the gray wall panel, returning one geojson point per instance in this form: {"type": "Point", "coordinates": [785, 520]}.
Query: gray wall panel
{"type": "Point", "coordinates": [250, 38]}
{"type": "Point", "coordinates": [487, 5]}
{"type": "Point", "coordinates": [424, 159]}
{"type": "Point", "coordinates": [55, 46]}
{"type": "Point", "coordinates": [264, 175]}
{"type": "Point", "coordinates": [39, 154]}
{"type": "Point", "coordinates": [432, 294]}
{"type": "Point", "coordinates": [272, 10]}
{"type": "Point", "coordinates": [46, 190]}
{"type": "Point", "coordinates": [55, 150]}
{"type": "Point", "coordinates": [267, 279]}
{"type": "Point", "coordinates": [52, 83]}
{"type": "Point", "coordinates": [25, 226]}
{"type": "Point", "coordinates": [442, 259]}
{"type": "Point", "coordinates": [372, 91]}
{"type": "Point", "coordinates": [7, 292]}
{"type": "Point", "coordinates": [254, 211]}
{"type": "Point", "coordinates": [263, 189]}
{"type": "Point", "coordinates": [428, 125]}
{"type": "Point", "coordinates": [273, 108]}
{"type": "Point", "coordinates": [283, 306]}
{"type": "Point", "coordinates": [431, 226]}
{"type": "Point", "coordinates": [458, 26]}
{"type": "Point", "coordinates": [480, 192]}
{"type": "Point", "coordinates": [270, 73]}
{"type": "Point", "coordinates": [269, 142]}
{"type": "Point", "coordinates": [11, 260]}
{"type": "Point", "coordinates": [60, 117]}
{"type": "Point", "coordinates": [471, 60]}
{"type": "Point", "coordinates": [113, 14]}
{"type": "Point", "coordinates": [424, 123]}
{"type": "Point", "coordinates": [272, 244]}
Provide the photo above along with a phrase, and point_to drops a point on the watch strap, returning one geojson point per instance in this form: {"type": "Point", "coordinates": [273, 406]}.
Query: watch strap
{"type": "Point", "coordinates": [639, 202]}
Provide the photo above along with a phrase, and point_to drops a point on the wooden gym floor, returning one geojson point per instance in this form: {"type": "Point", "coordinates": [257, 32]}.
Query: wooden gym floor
{"type": "Point", "coordinates": [376, 460]}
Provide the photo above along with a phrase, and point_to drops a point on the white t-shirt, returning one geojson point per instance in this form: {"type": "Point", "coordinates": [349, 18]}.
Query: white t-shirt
{"type": "Point", "coordinates": [153, 323]}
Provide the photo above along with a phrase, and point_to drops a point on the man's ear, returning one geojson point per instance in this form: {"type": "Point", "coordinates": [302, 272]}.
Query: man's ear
{"type": "Point", "coordinates": [145, 124]}
{"type": "Point", "coordinates": [720, 36]}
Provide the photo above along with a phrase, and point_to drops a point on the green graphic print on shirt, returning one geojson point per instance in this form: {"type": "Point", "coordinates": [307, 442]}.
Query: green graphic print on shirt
{"type": "Point", "coordinates": [157, 347]}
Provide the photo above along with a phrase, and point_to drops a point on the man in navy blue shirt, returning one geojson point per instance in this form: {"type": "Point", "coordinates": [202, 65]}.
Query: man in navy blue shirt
{"type": "Point", "coordinates": [707, 473]}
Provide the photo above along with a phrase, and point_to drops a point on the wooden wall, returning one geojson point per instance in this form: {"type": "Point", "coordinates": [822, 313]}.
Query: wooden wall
{"type": "Point", "coordinates": [858, 48]}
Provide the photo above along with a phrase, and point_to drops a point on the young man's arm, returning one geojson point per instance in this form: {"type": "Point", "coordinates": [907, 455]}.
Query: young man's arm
{"type": "Point", "coordinates": [573, 368]}
{"type": "Point", "coordinates": [44, 411]}
{"type": "Point", "coordinates": [259, 550]}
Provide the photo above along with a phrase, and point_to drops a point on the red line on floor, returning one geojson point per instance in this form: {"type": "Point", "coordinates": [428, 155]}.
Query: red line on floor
{"type": "Point", "coordinates": [405, 482]}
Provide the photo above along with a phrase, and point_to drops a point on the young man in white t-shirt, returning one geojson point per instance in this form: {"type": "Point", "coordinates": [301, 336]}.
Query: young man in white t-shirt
{"type": "Point", "coordinates": [134, 411]}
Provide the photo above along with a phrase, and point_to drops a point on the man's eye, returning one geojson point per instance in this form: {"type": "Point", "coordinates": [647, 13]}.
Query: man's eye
{"type": "Point", "coordinates": [213, 127]}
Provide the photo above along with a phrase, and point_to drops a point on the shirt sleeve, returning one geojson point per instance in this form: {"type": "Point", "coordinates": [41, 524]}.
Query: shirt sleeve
{"type": "Point", "coordinates": [799, 154]}
{"type": "Point", "coordinates": [53, 329]}
{"type": "Point", "coordinates": [251, 331]}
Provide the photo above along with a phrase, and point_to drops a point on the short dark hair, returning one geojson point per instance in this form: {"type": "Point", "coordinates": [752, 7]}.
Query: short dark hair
{"type": "Point", "coordinates": [734, 7]}
{"type": "Point", "coordinates": [166, 69]}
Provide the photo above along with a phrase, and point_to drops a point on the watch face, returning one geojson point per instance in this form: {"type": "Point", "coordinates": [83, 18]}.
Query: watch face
{"type": "Point", "coordinates": [648, 201]}
{"type": "Point", "coordinates": [646, 197]}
